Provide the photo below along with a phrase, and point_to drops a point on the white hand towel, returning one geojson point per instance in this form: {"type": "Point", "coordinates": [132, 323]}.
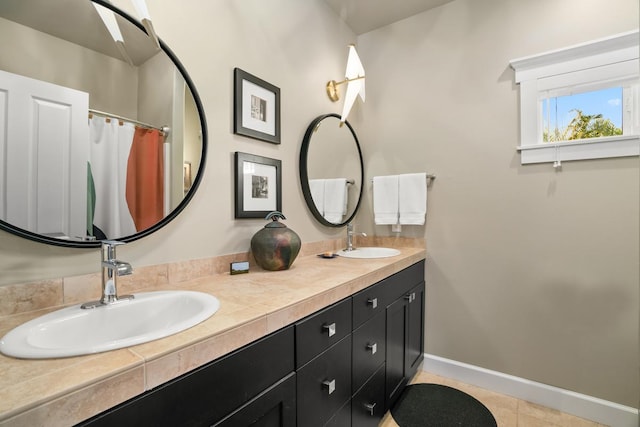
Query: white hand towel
{"type": "Point", "coordinates": [317, 193]}
{"type": "Point", "coordinates": [335, 199]}
{"type": "Point", "coordinates": [385, 199]}
{"type": "Point", "coordinates": [412, 198]}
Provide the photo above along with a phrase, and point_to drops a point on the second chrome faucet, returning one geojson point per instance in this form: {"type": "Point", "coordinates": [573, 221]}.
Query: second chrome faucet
{"type": "Point", "coordinates": [350, 234]}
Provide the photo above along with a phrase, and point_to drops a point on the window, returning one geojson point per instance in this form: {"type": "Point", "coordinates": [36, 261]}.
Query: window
{"type": "Point", "coordinates": [580, 102]}
{"type": "Point", "coordinates": [585, 115]}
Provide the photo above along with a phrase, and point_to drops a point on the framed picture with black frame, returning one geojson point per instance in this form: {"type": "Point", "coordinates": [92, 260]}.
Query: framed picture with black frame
{"type": "Point", "coordinates": [256, 107]}
{"type": "Point", "coordinates": [258, 185]}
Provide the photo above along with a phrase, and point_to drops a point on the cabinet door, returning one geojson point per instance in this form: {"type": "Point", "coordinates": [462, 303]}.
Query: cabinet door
{"type": "Point", "coordinates": [405, 341]}
{"type": "Point", "coordinates": [367, 406]}
{"type": "Point", "coordinates": [324, 385]}
{"type": "Point", "coordinates": [397, 315]}
{"type": "Point", "coordinates": [275, 407]}
{"type": "Point", "coordinates": [342, 418]}
{"type": "Point", "coordinates": [415, 330]}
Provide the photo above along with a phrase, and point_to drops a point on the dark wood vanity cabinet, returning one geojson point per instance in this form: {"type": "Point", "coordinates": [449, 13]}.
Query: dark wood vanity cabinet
{"type": "Point", "coordinates": [342, 366]}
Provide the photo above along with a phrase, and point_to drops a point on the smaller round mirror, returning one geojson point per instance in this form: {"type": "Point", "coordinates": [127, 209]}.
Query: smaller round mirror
{"type": "Point", "coordinates": [331, 170]}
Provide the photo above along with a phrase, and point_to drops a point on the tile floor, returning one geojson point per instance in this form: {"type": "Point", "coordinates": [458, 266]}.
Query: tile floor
{"type": "Point", "coordinates": [508, 411]}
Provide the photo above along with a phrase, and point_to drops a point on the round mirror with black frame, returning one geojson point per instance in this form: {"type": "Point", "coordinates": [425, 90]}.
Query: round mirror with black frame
{"type": "Point", "coordinates": [64, 46]}
{"type": "Point", "coordinates": [331, 170]}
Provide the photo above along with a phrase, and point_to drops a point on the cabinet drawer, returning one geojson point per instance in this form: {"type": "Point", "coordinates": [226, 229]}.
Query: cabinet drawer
{"type": "Point", "coordinates": [321, 330]}
{"type": "Point", "coordinates": [403, 281]}
{"type": "Point", "coordinates": [324, 385]}
{"type": "Point", "coordinates": [369, 349]}
{"type": "Point", "coordinates": [369, 302]}
{"type": "Point", "coordinates": [367, 406]}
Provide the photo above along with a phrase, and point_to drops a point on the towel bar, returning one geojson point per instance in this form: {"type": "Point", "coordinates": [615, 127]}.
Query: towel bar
{"type": "Point", "coordinates": [430, 177]}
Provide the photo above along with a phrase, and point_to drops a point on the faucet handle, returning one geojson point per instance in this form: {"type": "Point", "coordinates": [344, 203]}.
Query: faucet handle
{"type": "Point", "coordinates": [112, 243]}
{"type": "Point", "coordinates": [109, 249]}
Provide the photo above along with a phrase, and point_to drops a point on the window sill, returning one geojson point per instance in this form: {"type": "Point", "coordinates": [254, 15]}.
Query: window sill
{"type": "Point", "coordinates": [596, 148]}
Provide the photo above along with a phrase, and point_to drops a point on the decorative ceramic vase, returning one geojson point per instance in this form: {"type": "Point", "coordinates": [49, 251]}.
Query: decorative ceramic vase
{"type": "Point", "coordinates": [275, 247]}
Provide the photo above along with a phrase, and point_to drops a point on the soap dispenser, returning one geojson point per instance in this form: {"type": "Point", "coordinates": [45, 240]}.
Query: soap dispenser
{"type": "Point", "coordinates": [275, 247]}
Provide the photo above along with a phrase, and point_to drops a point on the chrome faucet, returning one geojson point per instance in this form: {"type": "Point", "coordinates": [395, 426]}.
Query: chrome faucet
{"type": "Point", "coordinates": [112, 268]}
{"type": "Point", "coordinates": [350, 234]}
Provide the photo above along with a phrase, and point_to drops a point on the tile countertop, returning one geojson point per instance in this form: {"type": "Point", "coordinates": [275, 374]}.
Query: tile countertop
{"type": "Point", "coordinates": [62, 392]}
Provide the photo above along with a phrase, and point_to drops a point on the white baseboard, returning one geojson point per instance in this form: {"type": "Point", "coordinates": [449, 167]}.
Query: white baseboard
{"type": "Point", "coordinates": [580, 405]}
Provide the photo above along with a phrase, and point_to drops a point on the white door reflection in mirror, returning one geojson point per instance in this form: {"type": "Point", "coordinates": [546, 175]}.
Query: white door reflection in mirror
{"type": "Point", "coordinates": [46, 156]}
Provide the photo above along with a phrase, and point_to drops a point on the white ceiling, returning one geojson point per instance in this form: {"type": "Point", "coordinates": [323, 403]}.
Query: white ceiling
{"type": "Point", "coordinates": [360, 15]}
{"type": "Point", "coordinates": [365, 15]}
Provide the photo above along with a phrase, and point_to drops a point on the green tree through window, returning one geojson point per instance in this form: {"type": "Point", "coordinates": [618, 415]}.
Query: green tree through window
{"type": "Point", "coordinates": [583, 126]}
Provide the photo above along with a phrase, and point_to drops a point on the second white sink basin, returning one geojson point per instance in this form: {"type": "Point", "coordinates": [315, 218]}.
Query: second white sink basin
{"type": "Point", "coordinates": [73, 331]}
{"type": "Point", "coordinates": [369, 252]}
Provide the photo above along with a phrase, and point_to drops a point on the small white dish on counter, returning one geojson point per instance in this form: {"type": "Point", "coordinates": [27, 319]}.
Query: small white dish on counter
{"type": "Point", "coordinates": [73, 331]}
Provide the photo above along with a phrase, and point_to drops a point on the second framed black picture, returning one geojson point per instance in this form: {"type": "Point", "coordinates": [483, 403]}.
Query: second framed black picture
{"type": "Point", "coordinates": [256, 107]}
{"type": "Point", "coordinates": [258, 185]}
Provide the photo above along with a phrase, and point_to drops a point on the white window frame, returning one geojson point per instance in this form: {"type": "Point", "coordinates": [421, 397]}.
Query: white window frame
{"type": "Point", "coordinates": [590, 66]}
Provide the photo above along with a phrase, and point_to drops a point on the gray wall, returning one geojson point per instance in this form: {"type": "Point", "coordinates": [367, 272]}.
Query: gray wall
{"type": "Point", "coordinates": [530, 272]}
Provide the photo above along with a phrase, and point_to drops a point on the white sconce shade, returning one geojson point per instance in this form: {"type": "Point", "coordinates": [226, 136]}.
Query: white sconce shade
{"type": "Point", "coordinates": [355, 82]}
{"type": "Point", "coordinates": [354, 77]}
{"type": "Point", "coordinates": [145, 18]}
{"type": "Point", "coordinates": [109, 20]}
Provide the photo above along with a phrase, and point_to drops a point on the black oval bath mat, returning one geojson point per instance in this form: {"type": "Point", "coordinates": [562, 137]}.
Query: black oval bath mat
{"type": "Point", "coordinates": [423, 405]}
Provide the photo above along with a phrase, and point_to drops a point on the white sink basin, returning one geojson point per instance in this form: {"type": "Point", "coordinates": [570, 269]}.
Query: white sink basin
{"type": "Point", "coordinates": [73, 331]}
{"type": "Point", "coordinates": [370, 252]}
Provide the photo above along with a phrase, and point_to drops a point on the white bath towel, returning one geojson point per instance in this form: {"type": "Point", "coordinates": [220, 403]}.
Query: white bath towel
{"type": "Point", "coordinates": [335, 199]}
{"type": "Point", "coordinates": [317, 193]}
{"type": "Point", "coordinates": [412, 198]}
{"type": "Point", "coordinates": [385, 199]}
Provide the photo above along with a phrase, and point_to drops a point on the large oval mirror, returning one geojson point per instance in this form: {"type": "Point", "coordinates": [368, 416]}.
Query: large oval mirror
{"type": "Point", "coordinates": [331, 170]}
{"type": "Point", "coordinates": [101, 136]}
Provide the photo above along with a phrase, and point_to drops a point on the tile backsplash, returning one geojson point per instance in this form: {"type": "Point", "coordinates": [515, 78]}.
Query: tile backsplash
{"type": "Point", "coordinates": [54, 293]}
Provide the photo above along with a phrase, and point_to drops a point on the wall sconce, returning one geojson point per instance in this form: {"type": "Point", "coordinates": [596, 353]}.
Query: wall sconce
{"type": "Point", "coordinates": [109, 20]}
{"type": "Point", "coordinates": [145, 18]}
{"type": "Point", "coordinates": [354, 78]}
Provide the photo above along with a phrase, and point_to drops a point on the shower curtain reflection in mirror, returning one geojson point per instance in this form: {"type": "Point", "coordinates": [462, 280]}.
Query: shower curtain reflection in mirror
{"type": "Point", "coordinates": [125, 178]}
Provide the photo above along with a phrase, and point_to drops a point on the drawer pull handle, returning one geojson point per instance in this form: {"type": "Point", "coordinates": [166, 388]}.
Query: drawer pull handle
{"type": "Point", "coordinates": [373, 302]}
{"type": "Point", "coordinates": [331, 385]}
{"type": "Point", "coordinates": [373, 348]}
{"type": "Point", "coordinates": [370, 407]}
{"type": "Point", "coordinates": [331, 329]}
{"type": "Point", "coordinates": [410, 297]}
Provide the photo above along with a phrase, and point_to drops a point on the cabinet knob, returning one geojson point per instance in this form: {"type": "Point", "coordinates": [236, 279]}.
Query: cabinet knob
{"type": "Point", "coordinates": [330, 385]}
{"type": "Point", "coordinates": [331, 329]}
{"type": "Point", "coordinates": [370, 407]}
{"type": "Point", "coordinates": [373, 348]}
{"type": "Point", "coordinates": [373, 302]}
